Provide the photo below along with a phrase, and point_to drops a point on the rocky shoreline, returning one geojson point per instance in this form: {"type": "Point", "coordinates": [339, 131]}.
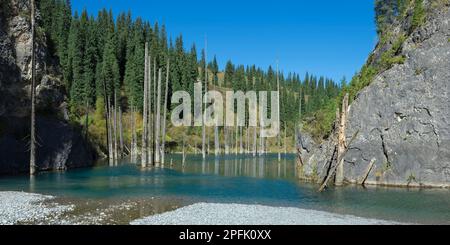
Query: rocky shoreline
{"type": "Point", "coordinates": [20, 208]}
{"type": "Point", "coordinates": [27, 208]}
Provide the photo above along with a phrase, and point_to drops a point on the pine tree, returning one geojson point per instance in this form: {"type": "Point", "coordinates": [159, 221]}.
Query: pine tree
{"type": "Point", "coordinates": [229, 74]}
{"type": "Point", "coordinates": [76, 50]}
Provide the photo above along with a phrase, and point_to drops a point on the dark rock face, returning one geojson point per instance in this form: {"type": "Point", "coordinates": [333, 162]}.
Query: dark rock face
{"type": "Point", "coordinates": [61, 146]}
{"type": "Point", "coordinates": [403, 117]}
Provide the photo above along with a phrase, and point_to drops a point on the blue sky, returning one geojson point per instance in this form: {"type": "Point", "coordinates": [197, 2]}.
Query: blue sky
{"type": "Point", "coordinates": [323, 37]}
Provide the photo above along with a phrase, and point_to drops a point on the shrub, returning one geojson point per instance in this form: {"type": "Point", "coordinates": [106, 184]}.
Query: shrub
{"type": "Point", "coordinates": [418, 14]}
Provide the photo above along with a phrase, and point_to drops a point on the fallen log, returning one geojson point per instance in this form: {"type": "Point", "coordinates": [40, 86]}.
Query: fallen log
{"type": "Point", "coordinates": [339, 162]}
{"type": "Point", "coordinates": [366, 174]}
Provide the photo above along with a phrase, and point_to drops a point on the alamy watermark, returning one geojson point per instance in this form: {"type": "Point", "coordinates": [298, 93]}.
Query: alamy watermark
{"type": "Point", "coordinates": [220, 110]}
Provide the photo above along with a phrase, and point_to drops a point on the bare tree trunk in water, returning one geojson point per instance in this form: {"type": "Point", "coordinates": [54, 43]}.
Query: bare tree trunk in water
{"type": "Point", "coordinates": [150, 123]}
{"type": "Point", "coordinates": [116, 157]}
{"type": "Point", "coordinates": [120, 132]}
{"type": "Point", "coordinates": [255, 141]}
{"type": "Point", "coordinates": [153, 114]}
{"type": "Point", "coordinates": [241, 142]}
{"type": "Point", "coordinates": [236, 148]}
{"type": "Point", "coordinates": [33, 94]}
{"type": "Point", "coordinates": [226, 136]}
{"type": "Point", "coordinates": [285, 139]}
{"type": "Point", "coordinates": [166, 95]}
{"type": "Point", "coordinates": [108, 138]}
{"type": "Point", "coordinates": [279, 133]}
{"type": "Point", "coordinates": [144, 156]}
{"type": "Point", "coordinates": [261, 142]}
{"type": "Point", "coordinates": [132, 122]}
{"type": "Point", "coordinates": [203, 103]}
{"type": "Point", "coordinates": [110, 141]}
{"type": "Point", "coordinates": [158, 122]}
{"type": "Point", "coordinates": [207, 144]}
{"type": "Point", "coordinates": [216, 141]}
{"type": "Point", "coordinates": [341, 142]}
{"type": "Point", "coordinates": [183, 152]}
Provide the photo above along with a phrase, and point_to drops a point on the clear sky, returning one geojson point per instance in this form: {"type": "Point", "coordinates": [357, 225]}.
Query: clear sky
{"type": "Point", "coordinates": [323, 37]}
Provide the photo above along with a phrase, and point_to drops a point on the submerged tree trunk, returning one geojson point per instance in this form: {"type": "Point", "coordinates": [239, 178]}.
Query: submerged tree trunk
{"type": "Point", "coordinates": [216, 141]}
{"type": "Point", "coordinates": [225, 136]}
{"type": "Point", "coordinates": [279, 133]}
{"type": "Point", "coordinates": [110, 141]}
{"type": "Point", "coordinates": [166, 95]}
{"type": "Point", "coordinates": [158, 122]}
{"type": "Point", "coordinates": [133, 145]}
{"type": "Point", "coordinates": [116, 157]}
{"type": "Point", "coordinates": [241, 141]}
{"type": "Point", "coordinates": [203, 103]}
{"type": "Point", "coordinates": [33, 94]}
{"type": "Point", "coordinates": [255, 141]}
{"type": "Point", "coordinates": [152, 113]}
{"type": "Point", "coordinates": [285, 138]}
{"type": "Point", "coordinates": [183, 156]}
{"type": "Point", "coordinates": [121, 145]}
{"type": "Point", "coordinates": [150, 133]}
{"type": "Point", "coordinates": [236, 138]}
{"type": "Point", "coordinates": [341, 142]}
{"type": "Point", "coordinates": [261, 142]}
{"type": "Point", "coordinates": [144, 156]}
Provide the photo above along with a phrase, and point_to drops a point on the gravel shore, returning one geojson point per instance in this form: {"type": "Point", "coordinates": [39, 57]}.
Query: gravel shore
{"type": "Point", "coordinates": [239, 214]}
{"type": "Point", "coordinates": [28, 208]}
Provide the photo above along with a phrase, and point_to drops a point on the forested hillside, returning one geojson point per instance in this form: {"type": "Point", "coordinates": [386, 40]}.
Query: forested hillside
{"type": "Point", "coordinates": [102, 55]}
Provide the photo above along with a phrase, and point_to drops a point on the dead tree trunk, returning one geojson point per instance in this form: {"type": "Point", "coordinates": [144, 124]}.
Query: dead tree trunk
{"type": "Point", "coordinates": [225, 136]}
{"type": "Point", "coordinates": [236, 137]}
{"type": "Point", "coordinates": [278, 108]}
{"type": "Point", "coordinates": [339, 161]}
{"type": "Point", "coordinates": [110, 141]}
{"type": "Point", "coordinates": [144, 156]}
{"type": "Point", "coordinates": [116, 156]}
{"type": "Point", "coordinates": [121, 148]}
{"type": "Point", "coordinates": [166, 95]}
{"type": "Point", "coordinates": [255, 141]}
{"type": "Point", "coordinates": [207, 144]}
{"type": "Point", "coordinates": [33, 94]}
{"type": "Point", "coordinates": [285, 138]}
{"type": "Point", "coordinates": [132, 135]}
{"type": "Point", "coordinates": [241, 142]}
{"type": "Point", "coordinates": [248, 139]}
{"type": "Point", "coordinates": [150, 122]}
{"type": "Point", "coordinates": [261, 142]}
{"type": "Point", "coordinates": [216, 140]}
{"type": "Point", "coordinates": [158, 122]}
{"type": "Point", "coordinates": [153, 114]}
{"type": "Point", "coordinates": [203, 102]}
{"type": "Point", "coordinates": [183, 156]}
{"type": "Point", "coordinates": [299, 148]}
{"type": "Point", "coordinates": [366, 174]}
{"type": "Point", "coordinates": [341, 142]}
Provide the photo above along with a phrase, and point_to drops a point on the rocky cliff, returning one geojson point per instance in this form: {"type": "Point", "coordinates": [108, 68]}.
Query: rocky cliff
{"type": "Point", "coordinates": [60, 145]}
{"type": "Point", "coordinates": [403, 116]}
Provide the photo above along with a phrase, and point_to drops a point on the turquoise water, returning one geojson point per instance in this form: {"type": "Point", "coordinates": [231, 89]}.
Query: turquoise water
{"type": "Point", "coordinates": [237, 179]}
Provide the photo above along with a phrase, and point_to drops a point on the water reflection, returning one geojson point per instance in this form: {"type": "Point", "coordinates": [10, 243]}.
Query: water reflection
{"type": "Point", "coordinates": [240, 166]}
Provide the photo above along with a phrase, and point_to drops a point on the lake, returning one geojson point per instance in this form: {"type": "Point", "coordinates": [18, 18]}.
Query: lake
{"type": "Point", "coordinates": [236, 179]}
